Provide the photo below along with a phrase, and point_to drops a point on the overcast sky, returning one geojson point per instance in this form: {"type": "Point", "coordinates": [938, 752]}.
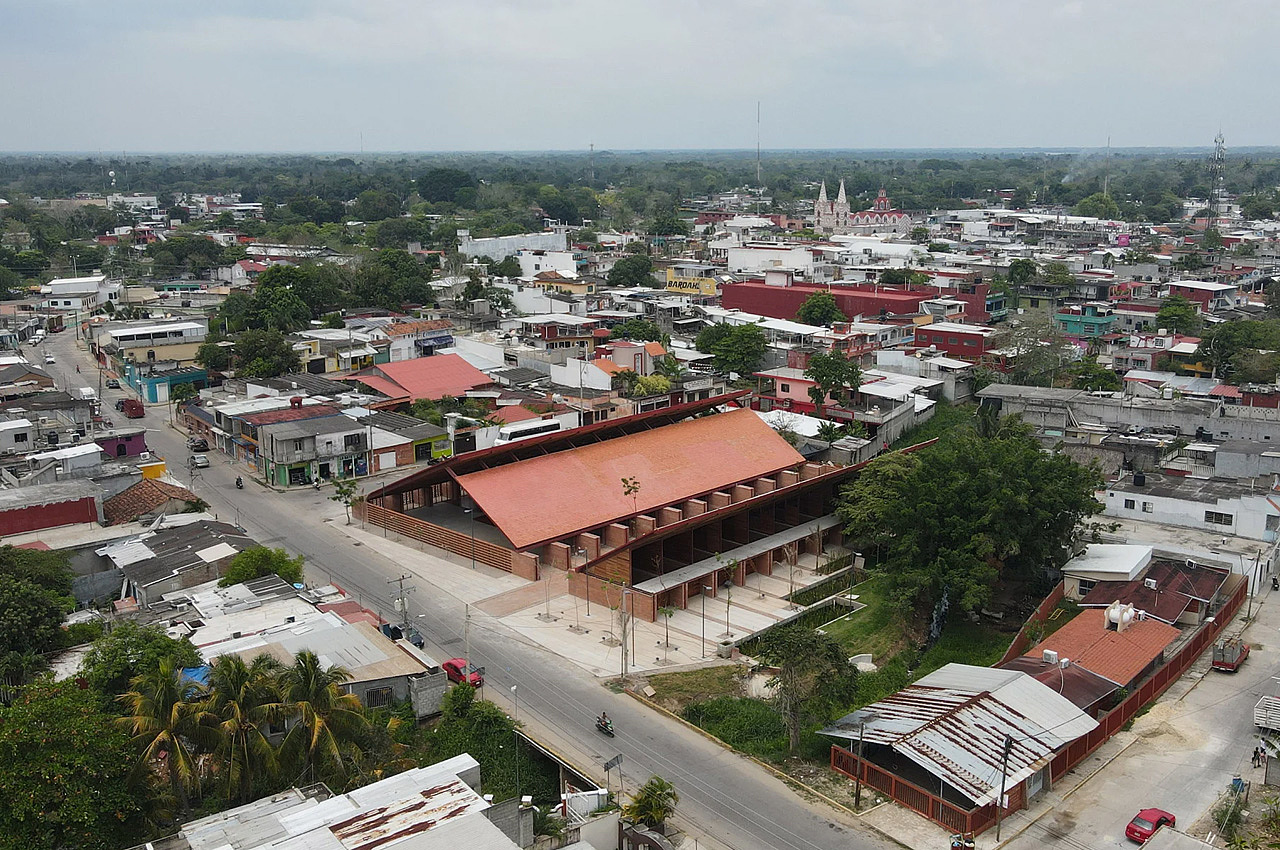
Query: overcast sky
{"type": "Point", "coordinates": [424, 75]}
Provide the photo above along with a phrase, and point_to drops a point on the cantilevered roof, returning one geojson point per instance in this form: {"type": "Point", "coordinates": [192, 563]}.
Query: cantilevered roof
{"type": "Point", "coordinates": [547, 498]}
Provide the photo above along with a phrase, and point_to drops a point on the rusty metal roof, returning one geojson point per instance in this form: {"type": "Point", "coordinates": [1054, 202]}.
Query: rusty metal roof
{"type": "Point", "coordinates": [954, 722]}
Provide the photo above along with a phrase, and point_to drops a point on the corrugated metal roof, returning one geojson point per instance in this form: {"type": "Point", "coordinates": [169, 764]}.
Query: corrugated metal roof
{"type": "Point", "coordinates": [954, 722]}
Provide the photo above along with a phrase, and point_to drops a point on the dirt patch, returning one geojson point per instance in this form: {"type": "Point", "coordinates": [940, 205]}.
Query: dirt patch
{"type": "Point", "coordinates": [1162, 727]}
{"type": "Point", "coordinates": [674, 691]}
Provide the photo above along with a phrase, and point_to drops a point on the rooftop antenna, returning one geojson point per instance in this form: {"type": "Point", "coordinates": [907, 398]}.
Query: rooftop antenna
{"type": "Point", "coordinates": [592, 178]}
{"type": "Point", "coordinates": [1217, 176]}
{"type": "Point", "coordinates": [362, 142]}
{"type": "Point", "coordinates": [759, 187]}
{"type": "Point", "coordinates": [1106, 177]}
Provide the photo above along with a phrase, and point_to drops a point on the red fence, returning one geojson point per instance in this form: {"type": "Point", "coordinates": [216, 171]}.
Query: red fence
{"type": "Point", "coordinates": [435, 535]}
{"type": "Point", "coordinates": [957, 819]}
{"type": "Point", "coordinates": [1022, 640]}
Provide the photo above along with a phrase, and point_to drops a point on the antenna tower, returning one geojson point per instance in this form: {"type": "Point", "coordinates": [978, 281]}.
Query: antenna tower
{"type": "Point", "coordinates": [1217, 177]}
{"type": "Point", "coordinates": [593, 163]}
{"type": "Point", "coordinates": [1106, 178]}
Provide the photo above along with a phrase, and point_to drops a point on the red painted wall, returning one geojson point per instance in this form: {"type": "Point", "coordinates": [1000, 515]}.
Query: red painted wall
{"type": "Point", "coordinates": [37, 517]}
{"type": "Point", "coordinates": [782, 302]}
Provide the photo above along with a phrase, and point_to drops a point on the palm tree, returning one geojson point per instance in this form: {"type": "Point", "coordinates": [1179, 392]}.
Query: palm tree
{"type": "Point", "coordinates": [243, 699]}
{"type": "Point", "coordinates": [167, 724]}
{"type": "Point", "coordinates": [653, 803]}
{"type": "Point", "coordinates": [326, 720]}
{"type": "Point", "coordinates": [669, 367]}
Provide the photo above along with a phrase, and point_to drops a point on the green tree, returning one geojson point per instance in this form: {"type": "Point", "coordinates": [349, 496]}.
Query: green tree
{"type": "Point", "coordinates": [919, 235]}
{"type": "Point", "coordinates": [670, 367]}
{"type": "Point", "coordinates": [443, 184]}
{"type": "Point", "coordinates": [1058, 275]}
{"type": "Point", "coordinates": [709, 336]}
{"type": "Point", "coordinates": [50, 570]}
{"type": "Point", "coordinates": [130, 650]}
{"type": "Point", "coordinates": [1098, 205]}
{"type": "Point", "coordinates": [1212, 239]}
{"type": "Point", "coordinates": [633, 271]}
{"type": "Point", "coordinates": [653, 803]}
{"type": "Point", "coordinates": [334, 321]}
{"type": "Point", "coordinates": [327, 721]}
{"type": "Point", "coordinates": [820, 308]}
{"type": "Point", "coordinates": [1179, 315]}
{"type": "Point", "coordinates": [375, 205]}
{"type": "Point", "coordinates": [30, 624]}
{"type": "Point", "coordinates": [1091, 376]}
{"type": "Point", "coordinates": [972, 512]}
{"type": "Point", "coordinates": [168, 727]}
{"type": "Point", "coordinates": [836, 377]}
{"type": "Point", "coordinates": [813, 676]}
{"type": "Point", "coordinates": [213, 356]}
{"type": "Point", "coordinates": [637, 329]}
{"type": "Point", "coordinates": [346, 491]}
{"type": "Point", "coordinates": [259, 561]}
{"type": "Point", "coordinates": [509, 267]}
{"type": "Point", "coordinates": [830, 432]}
{"type": "Point", "coordinates": [647, 385]}
{"type": "Point", "coordinates": [242, 702]}
{"type": "Point", "coordinates": [276, 304]}
{"type": "Point", "coordinates": [65, 773]}
{"type": "Point", "coordinates": [667, 224]}
{"type": "Point", "coordinates": [265, 354]}
{"type": "Point", "coordinates": [867, 518]}
{"type": "Point", "coordinates": [741, 350]}
{"type": "Point", "coordinates": [1021, 272]}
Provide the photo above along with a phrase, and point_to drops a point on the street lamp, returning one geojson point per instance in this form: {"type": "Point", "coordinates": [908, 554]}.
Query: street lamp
{"type": "Point", "coordinates": [705, 591]}
{"type": "Point", "coordinates": [471, 512]}
{"type": "Point", "coordinates": [515, 695]}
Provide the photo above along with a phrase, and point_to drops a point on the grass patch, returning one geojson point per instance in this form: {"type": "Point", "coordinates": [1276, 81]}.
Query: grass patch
{"type": "Point", "coordinates": [965, 642]}
{"type": "Point", "coordinates": [674, 691]}
{"type": "Point", "coordinates": [1069, 610]}
{"type": "Point", "coordinates": [820, 590]}
{"type": "Point", "coordinates": [878, 629]}
{"type": "Point", "coordinates": [946, 418]}
{"type": "Point", "coordinates": [749, 725]}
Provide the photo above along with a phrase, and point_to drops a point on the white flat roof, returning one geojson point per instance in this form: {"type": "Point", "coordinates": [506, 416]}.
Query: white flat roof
{"type": "Point", "coordinates": [956, 327]}
{"type": "Point", "coordinates": [1207, 285]}
{"type": "Point", "coordinates": [1110, 562]}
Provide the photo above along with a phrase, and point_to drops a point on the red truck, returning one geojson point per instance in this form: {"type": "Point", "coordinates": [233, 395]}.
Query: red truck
{"type": "Point", "coordinates": [132, 408]}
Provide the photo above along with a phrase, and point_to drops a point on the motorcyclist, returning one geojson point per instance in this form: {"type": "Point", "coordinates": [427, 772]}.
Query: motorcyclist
{"type": "Point", "coordinates": [239, 482]}
{"type": "Point", "coordinates": [604, 720]}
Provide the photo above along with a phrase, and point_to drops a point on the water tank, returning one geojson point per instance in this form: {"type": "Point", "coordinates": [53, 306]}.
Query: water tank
{"type": "Point", "coordinates": [1139, 479]}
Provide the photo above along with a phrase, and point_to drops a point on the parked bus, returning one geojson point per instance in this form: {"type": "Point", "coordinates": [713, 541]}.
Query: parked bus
{"type": "Point", "coordinates": [525, 430]}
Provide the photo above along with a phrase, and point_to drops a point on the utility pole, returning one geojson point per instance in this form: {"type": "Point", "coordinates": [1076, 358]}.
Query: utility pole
{"type": "Point", "coordinates": [466, 642]}
{"type": "Point", "coordinates": [857, 780]}
{"type": "Point", "coordinates": [402, 603]}
{"type": "Point", "coordinates": [1004, 773]}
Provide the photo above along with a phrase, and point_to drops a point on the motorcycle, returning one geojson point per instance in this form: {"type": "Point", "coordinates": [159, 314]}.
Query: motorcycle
{"type": "Point", "coordinates": [605, 726]}
{"type": "Point", "coordinates": [1275, 582]}
{"type": "Point", "coordinates": [239, 483]}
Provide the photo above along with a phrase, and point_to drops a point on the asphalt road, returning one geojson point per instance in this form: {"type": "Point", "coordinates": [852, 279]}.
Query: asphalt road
{"type": "Point", "coordinates": [724, 797]}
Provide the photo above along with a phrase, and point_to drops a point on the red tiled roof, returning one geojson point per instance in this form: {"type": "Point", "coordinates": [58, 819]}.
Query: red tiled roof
{"type": "Point", "coordinates": [425, 377]}
{"type": "Point", "coordinates": [509, 413]}
{"type": "Point", "coordinates": [1118, 656]}
{"type": "Point", "coordinates": [290, 414]}
{"type": "Point", "coordinates": [604, 364]}
{"type": "Point", "coordinates": [405, 328]}
{"type": "Point", "coordinates": [1226, 391]}
{"type": "Point", "coordinates": [39, 545]}
{"type": "Point", "coordinates": [141, 499]}
{"type": "Point", "coordinates": [655, 349]}
{"type": "Point", "coordinates": [550, 497]}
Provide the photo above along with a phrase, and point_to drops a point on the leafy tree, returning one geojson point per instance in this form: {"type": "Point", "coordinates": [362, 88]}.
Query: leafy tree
{"type": "Point", "coordinates": [242, 701]}
{"type": "Point", "coordinates": [443, 184]}
{"type": "Point", "coordinates": [399, 232]}
{"type": "Point", "coordinates": [820, 308]}
{"type": "Point", "coordinates": [509, 267]}
{"type": "Point", "coordinates": [1021, 272]}
{"type": "Point", "coordinates": [182, 392]}
{"type": "Point", "coordinates": [65, 772]}
{"type": "Point", "coordinates": [971, 512]}
{"type": "Point", "coordinates": [334, 321]}
{"type": "Point", "coordinates": [259, 561]}
{"type": "Point", "coordinates": [653, 803]}
{"type": "Point", "coordinates": [265, 354]}
{"type": "Point", "coordinates": [836, 376]}
{"type": "Point", "coordinates": [867, 517]}
{"type": "Point", "coordinates": [633, 271]}
{"type": "Point", "coordinates": [1041, 350]}
{"type": "Point", "coordinates": [647, 385]}
{"type": "Point", "coordinates": [1179, 315]}
{"type": "Point", "coordinates": [213, 357]}
{"type": "Point", "coordinates": [813, 676]}
{"type": "Point", "coordinates": [707, 338]}
{"type": "Point", "coordinates": [168, 727]}
{"type": "Point", "coordinates": [30, 624]}
{"type": "Point", "coordinates": [346, 491]}
{"type": "Point", "coordinates": [131, 650]}
{"type": "Point", "coordinates": [50, 570]}
{"type": "Point", "coordinates": [902, 277]}
{"type": "Point", "coordinates": [1057, 274]}
{"type": "Point", "coordinates": [1098, 205]}
{"type": "Point", "coordinates": [741, 350]}
{"type": "Point", "coordinates": [939, 248]}
{"type": "Point", "coordinates": [1212, 239]}
{"type": "Point", "coordinates": [670, 367]}
{"type": "Point", "coordinates": [276, 304]}
{"type": "Point", "coordinates": [919, 235]}
{"type": "Point", "coordinates": [830, 432]}
{"type": "Point", "coordinates": [375, 205]}
{"type": "Point", "coordinates": [1250, 366]}
{"type": "Point", "coordinates": [637, 329]}
{"type": "Point", "coordinates": [1262, 206]}
{"type": "Point", "coordinates": [667, 224]}
{"type": "Point", "coordinates": [1091, 376]}
{"type": "Point", "coordinates": [326, 719]}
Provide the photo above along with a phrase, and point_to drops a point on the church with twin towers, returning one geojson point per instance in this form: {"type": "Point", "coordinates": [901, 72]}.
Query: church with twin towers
{"type": "Point", "coordinates": [835, 217]}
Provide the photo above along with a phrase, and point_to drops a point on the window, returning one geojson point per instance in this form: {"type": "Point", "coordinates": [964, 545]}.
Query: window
{"type": "Point", "coordinates": [1216, 518]}
{"type": "Point", "coordinates": [1086, 585]}
{"type": "Point", "coordinates": [351, 442]}
{"type": "Point", "coordinates": [971, 342]}
{"type": "Point", "coordinates": [1273, 523]}
{"type": "Point", "coordinates": [377, 697]}
{"type": "Point", "coordinates": [1129, 504]}
{"type": "Point", "coordinates": [19, 438]}
{"type": "Point", "coordinates": [786, 388]}
{"type": "Point", "coordinates": [1147, 507]}
{"type": "Point", "coordinates": [952, 341]}
{"type": "Point", "coordinates": [298, 445]}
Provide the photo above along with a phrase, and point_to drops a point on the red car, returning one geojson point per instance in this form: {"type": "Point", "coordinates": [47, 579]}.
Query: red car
{"type": "Point", "coordinates": [454, 667]}
{"type": "Point", "coordinates": [1146, 822]}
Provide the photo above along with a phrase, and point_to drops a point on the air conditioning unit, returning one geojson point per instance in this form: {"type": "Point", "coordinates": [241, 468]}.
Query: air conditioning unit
{"type": "Point", "coordinates": [1049, 656]}
{"type": "Point", "coordinates": [1149, 583]}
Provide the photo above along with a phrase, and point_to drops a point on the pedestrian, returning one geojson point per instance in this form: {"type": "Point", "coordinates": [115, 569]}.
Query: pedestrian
{"type": "Point", "coordinates": [1257, 756]}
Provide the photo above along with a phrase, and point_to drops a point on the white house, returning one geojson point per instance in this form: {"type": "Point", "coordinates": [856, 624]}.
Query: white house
{"type": "Point", "coordinates": [78, 293]}
{"type": "Point", "coordinates": [1103, 562]}
{"type": "Point", "coordinates": [1224, 505]}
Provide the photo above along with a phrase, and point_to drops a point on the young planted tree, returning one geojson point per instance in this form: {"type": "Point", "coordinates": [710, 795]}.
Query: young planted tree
{"type": "Point", "coordinates": [346, 491]}
{"type": "Point", "coordinates": [813, 676]}
{"type": "Point", "coordinates": [653, 803]}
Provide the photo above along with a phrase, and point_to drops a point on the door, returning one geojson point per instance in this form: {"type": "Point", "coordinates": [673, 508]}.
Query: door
{"type": "Point", "coordinates": [1037, 781]}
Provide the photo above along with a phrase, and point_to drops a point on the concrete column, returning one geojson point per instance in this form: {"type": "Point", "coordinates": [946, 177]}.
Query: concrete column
{"type": "Point", "coordinates": [719, 499]}
{"type": "Point", "coordinates": [765, 485]}
{"type": "Point", "coordinates": [645, 524]}
{"type": "Point", "coordinates": [788, 478]}
{"type": "Point", "coordinates": [741, 492]}
{"type": "Point", "coordinates": [591, 543]}
{"type": "Point", "coordinates": [695, 507]}
{"type": "Point", "coordinates": [669, 515]}
{"type": "Point", "coordinates": [556, 555]}
{"type": "Point", "coordinates": [616, 535]}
